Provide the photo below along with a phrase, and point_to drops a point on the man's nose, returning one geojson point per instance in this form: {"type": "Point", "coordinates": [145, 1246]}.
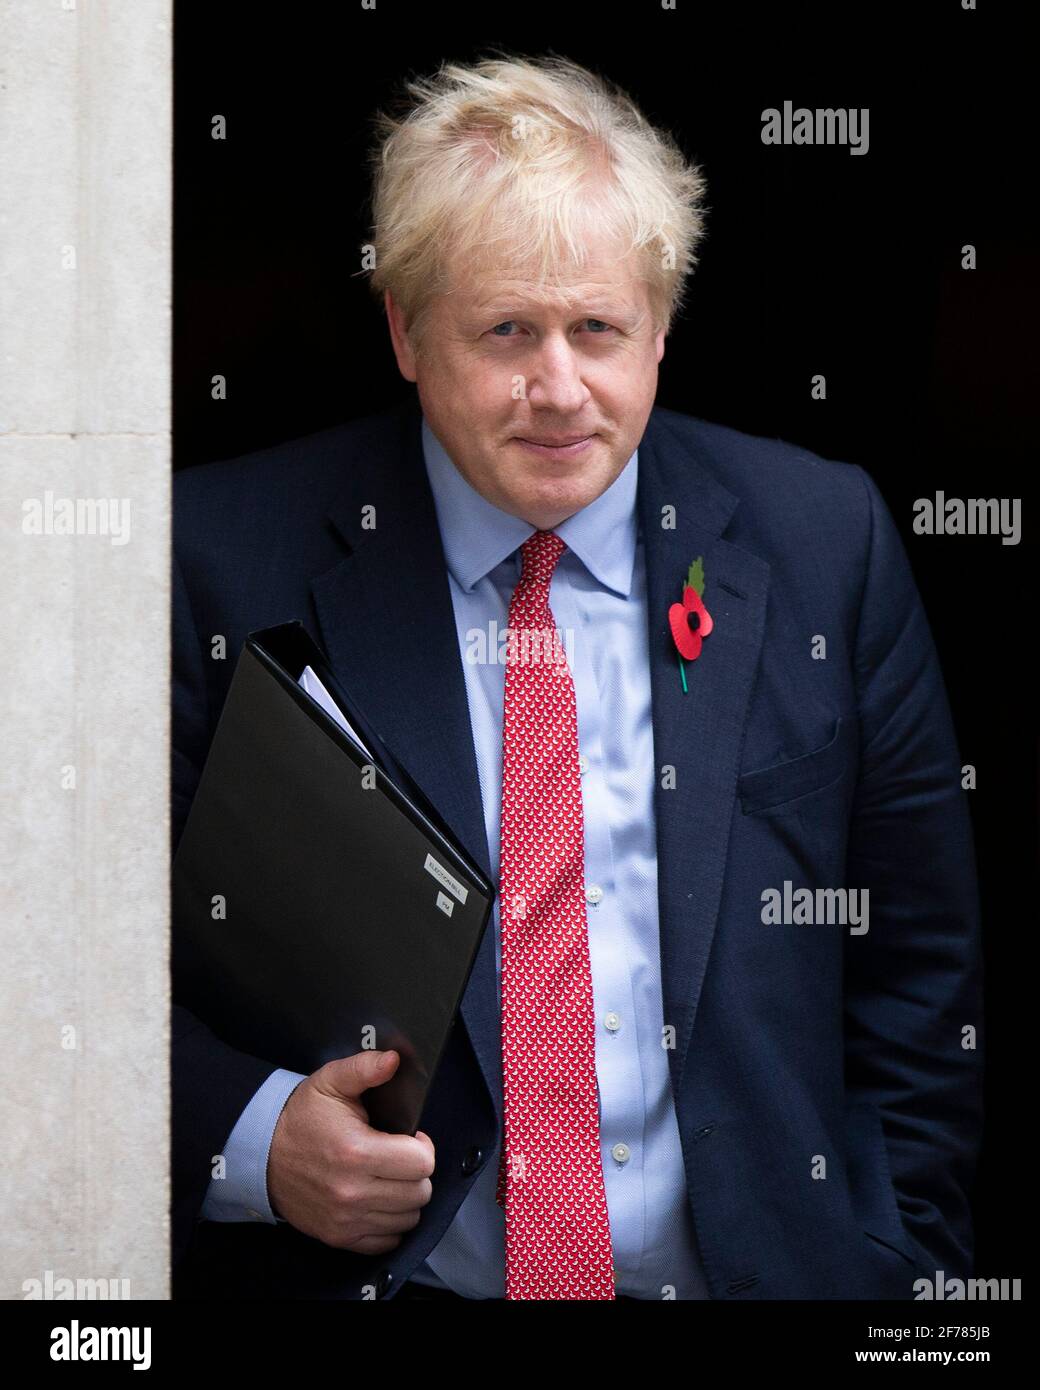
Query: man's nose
{"type": "Point", "coordinates": [556, 380]}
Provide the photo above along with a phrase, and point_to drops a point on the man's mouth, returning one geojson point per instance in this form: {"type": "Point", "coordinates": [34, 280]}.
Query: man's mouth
{"type": "Point", "coordinates": [560, 444]}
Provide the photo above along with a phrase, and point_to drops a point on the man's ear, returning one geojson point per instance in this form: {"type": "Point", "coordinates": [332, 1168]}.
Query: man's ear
{"type": "Point", "coordinates": [659, 342]}
{"type": "Point", "coordinates": [399, 338]}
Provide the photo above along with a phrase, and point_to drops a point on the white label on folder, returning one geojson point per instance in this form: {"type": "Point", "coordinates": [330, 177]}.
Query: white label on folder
{"type": "Point", "coordinates": [442, 876]}
{"type": "Point", "coordinates": [445, 904]}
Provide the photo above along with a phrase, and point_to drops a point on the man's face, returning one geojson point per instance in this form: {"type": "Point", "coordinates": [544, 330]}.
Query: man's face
{"type": "Point", "coordinates": [508, 366]}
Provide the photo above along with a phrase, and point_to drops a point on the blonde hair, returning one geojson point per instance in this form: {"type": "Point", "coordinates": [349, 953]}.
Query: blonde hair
{"type": "Point", "coordinates": [507, 162]}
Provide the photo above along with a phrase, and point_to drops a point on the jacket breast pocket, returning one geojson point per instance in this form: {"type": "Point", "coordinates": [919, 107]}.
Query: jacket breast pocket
{"type": "Point", "coordinates": [767, 787]}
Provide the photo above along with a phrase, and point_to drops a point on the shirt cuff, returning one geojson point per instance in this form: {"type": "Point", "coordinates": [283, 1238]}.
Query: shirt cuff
{"type": "Point", "coordinates": [241, 1194]}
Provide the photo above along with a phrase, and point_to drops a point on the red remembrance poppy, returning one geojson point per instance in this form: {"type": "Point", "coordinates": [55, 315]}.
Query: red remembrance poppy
{"type": "Point", "coordinates": [690, 622]}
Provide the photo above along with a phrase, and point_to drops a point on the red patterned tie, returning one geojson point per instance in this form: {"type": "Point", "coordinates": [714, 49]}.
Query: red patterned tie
{"type": "Point", "coordinates": [551, 1175]}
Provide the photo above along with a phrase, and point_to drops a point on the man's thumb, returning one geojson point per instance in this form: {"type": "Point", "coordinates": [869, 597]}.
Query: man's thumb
{"type": "Point", "coordinates": [349, 1076]}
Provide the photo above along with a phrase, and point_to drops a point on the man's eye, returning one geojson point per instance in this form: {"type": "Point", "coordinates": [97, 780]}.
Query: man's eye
{"type": "Point", "coordinates": [600, 327]}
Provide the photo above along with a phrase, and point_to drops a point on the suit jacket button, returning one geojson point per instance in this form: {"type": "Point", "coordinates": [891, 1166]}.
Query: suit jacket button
{"type": "Point", "coordinates": [474, 1158]}
{"type": "Point", "coordinates": [384, 1283]}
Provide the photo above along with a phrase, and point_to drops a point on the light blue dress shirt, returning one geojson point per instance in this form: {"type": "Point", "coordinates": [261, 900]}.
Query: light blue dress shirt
{"type": "Point", "coordinates": [598, 601]}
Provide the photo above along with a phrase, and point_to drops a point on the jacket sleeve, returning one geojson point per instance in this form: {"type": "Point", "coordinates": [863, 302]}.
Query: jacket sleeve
{"type": "Point", "coordinates": [913, 982]}
{"type": "Point", "coordinates": [211, 1082]}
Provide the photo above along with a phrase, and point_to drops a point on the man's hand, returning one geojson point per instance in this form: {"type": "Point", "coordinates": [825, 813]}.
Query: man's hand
{"type": "Point", "coordinates": [332, 1176]}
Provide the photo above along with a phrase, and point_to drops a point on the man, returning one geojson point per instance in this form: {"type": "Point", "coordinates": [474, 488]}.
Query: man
{"type": "Point", "coordinates": [719, 1038]}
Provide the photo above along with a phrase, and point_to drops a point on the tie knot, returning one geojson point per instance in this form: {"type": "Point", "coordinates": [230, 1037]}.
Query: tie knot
{"type": "Point", "coordinates": [539, 554]}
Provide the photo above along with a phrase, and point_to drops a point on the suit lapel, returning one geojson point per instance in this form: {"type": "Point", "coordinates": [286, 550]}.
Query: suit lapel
{"type": "Point", "coordinates": [388, 627]}
{"type": "Point", "coordinates": [698, 733]}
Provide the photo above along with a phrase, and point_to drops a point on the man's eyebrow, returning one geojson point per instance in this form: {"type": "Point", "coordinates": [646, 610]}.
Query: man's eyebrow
{"type": "Point", "coordinates": [588, 308]}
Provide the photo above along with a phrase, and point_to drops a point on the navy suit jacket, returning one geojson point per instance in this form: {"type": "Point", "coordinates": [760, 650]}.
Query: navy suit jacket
{"type": "Point", "coordinates": [799, 1050]}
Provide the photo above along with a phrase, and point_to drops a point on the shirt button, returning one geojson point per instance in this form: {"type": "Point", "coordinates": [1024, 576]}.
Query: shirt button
{"type": "Point", "coordinates": [583, 763]}
{"type": "Point", "coordinates": [593, 893]}
{"type": "Point", "coordinates": [621, 1152]}
{"type": "Point", "coordinates": [613, 1022]}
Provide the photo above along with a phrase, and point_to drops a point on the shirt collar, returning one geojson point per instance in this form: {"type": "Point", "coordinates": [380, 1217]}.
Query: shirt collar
{"type": "Point", "coordinates": [477, 535]}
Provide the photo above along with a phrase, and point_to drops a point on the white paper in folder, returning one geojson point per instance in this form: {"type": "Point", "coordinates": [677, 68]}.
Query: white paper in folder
{"type": "Point", "coordinates": [316, 690]}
